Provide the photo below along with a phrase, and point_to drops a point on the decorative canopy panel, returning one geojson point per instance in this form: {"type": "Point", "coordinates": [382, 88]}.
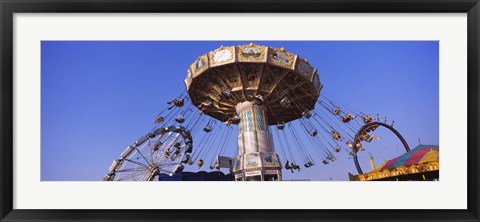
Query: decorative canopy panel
{"type": "Point", "coordinates": [288, 84]}
{"type": "Point", "coordinates": [420, 154]}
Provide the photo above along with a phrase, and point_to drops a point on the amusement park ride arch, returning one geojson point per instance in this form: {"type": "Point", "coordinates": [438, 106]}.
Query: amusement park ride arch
{"type": "Point", "coordinates": [367, 127]}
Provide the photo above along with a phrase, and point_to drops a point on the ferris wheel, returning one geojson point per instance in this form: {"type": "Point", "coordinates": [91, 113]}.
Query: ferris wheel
{"type": "Point", "coordinates": [163, 150]}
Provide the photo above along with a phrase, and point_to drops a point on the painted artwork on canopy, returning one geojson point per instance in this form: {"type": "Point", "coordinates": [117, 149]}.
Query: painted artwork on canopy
{"type": "Point", "coordinates": [270, 160]}
{"type": "Point", "coordinates": [252, 160]}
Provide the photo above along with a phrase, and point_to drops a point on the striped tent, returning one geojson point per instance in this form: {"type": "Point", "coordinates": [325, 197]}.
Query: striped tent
{"type": "Point", "coordinates": [420, 154]}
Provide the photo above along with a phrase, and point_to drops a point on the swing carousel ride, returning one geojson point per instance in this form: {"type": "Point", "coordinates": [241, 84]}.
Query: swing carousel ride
{"type": "Point", "coordinates": [267, 93]}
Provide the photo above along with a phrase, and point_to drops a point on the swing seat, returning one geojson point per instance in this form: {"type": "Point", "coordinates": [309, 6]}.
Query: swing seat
{"type": "Point", "coordinates": [346, 119]}
{"type": "Point", "coordinates": [180, 119]}
{"type": "Point", "coordinates": [236, 119]}
{"type": "Point", "coordinates": [258, 99]}
{"type": "Point", "coordinates": [159, 120]}
{"type": "Point", "coordinates": [336, 111]}
{"type": "Point", "coordinates": [350, 144]}
{"type": "Point", "coordinates": [287, 167]}
{"type": "Point", "coordinates": [208, 103]}
{"type": "Point", "coordinates": [336, 135]}
{"type": "Point", "coordinates": [285, 102]}
{"type": "Point", "coordinates": [176, 102]}
{"type": "Point", "coordinates": [200, 163]}
{"type": "Point", "coordinates": [307, 114]}
{"type": "Point", "coordinates": [226, 94]}
{"type": "Point", "coordinates": [313, 132]}
{"type": "Point", "coordinates": [205, 105]}
{"type": "Point", "coordinates": [359, 147]}
{"type": "Point", "coordinates": [367, 119]}
{"type": "Point", "coordinates": [207, 129]}
{"type": "Point", "coordinates": [295, 166]}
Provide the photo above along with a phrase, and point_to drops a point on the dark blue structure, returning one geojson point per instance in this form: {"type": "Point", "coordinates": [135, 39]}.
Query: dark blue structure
{"type": "Point", "coordinates": [198, 176]}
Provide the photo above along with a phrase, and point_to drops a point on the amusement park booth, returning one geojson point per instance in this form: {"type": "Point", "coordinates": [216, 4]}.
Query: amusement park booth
{"type": "Point", "coordinates": [419, 164]}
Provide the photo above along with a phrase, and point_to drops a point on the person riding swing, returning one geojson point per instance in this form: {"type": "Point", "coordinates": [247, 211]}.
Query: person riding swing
{"type": "Point", "coordinates": [200, 163]}
{"type": "Point", "coordinates": [225, 95]}
{"type": "Point", "coordinates": [367, 119]}
{"type": "Point", "coordinates": [295, 167]}
{"type": "Point", "coordinates": [206, 105]}
{"type": "Point", "coordinates": [348, 117]}
{"type": "Point", "coordinates": [336, 135]}
{"type": "Point", "coordinates": [235, 119]}
{"type": "Point", "coordinates": [176, 103]}
{"type": "Point", "coordinates": [287, 166]}
{"type": "Point", "coordinates": [258, 100]}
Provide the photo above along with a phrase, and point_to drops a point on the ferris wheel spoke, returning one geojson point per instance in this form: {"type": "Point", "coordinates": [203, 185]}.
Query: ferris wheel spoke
{"type": "Point", "coordinates": [167, 137]}
{"type": "Point", "coordinates": [130, 170]}
{"type": "Point", "coordinates": [142, 176]}
{"type": "Point", "coordinates": [150, 150]}
{"type": "Point", "coordinates": [173, 141]}
{"type": "Point", "coordinates": [136, 162]}
{"type": "Point", "coordinates": [142, 155]}
{"type": "Point", "coordinates": [167, 147]}
{"type": "Point", "coordinates": [160, 154]}
{"type": "Point", "coordinates": [148, 176]}
{"type": "Point", "coordinates": [152, 176]}
{"type": "Point", "coordinates": [167, 171]}
{"type": "Point", "coordinates": [166, 164]}
{"type": "Point", "coordinates": [131, 176]}
{"type": "Point", "coordinates": [154, 153]}
{"type": "Point", "coordinates": [138, 177]}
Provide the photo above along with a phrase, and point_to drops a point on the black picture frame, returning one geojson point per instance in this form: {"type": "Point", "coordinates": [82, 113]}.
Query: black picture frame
{"type": "Point", "coordinates": [9, 7]}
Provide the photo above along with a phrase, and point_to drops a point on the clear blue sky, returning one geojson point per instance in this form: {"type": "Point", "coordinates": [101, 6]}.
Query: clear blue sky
{"type": "Point", "coordinates": [99, 97]}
